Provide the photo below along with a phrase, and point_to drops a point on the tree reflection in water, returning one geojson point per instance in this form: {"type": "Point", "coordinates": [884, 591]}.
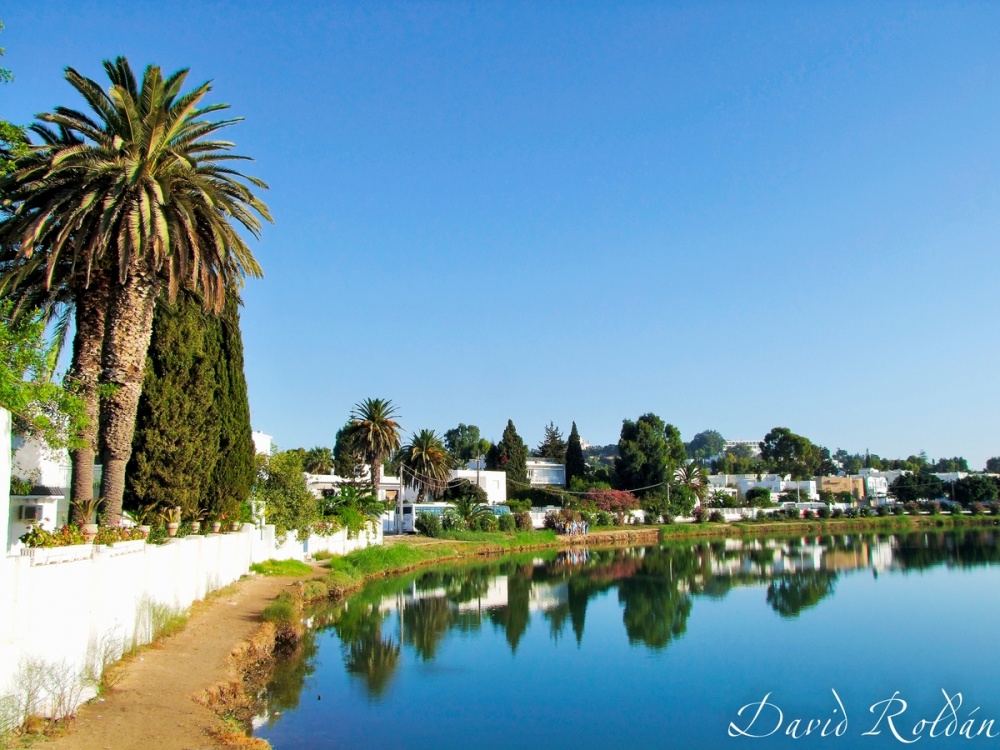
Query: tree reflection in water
{"type": "Point", "coordinates": [656, 588]}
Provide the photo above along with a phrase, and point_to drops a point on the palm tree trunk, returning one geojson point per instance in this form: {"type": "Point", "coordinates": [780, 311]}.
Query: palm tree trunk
{"type": "Point", "coordinates": [129, 329]}
{"type": "Point", "coordinates": [82, 378]}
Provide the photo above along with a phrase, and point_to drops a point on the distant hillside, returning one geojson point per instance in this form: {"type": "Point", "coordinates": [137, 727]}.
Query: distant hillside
{"type": "Point", "coordinates": [601, 454]}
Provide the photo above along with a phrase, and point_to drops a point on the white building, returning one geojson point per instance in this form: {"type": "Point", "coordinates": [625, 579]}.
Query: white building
{"type": "Point", "coordinates": [805, 489]}
{"type": "Point", "coordinates": [262, 442]}
{"type": "Point", "coordinates": [546, 472]}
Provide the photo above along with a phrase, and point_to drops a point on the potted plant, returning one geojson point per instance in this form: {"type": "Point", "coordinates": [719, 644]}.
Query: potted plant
{"type": "Point", "coordinates": [142, 516]}
{"type": "Point", "coordinates": [216, 526]}
{"type": "Point", "coordinates": [86, 508]}
{"type": "Point", "coordinates": [196, 517]}
{"type": "Point", "coordinates": [172, 518]}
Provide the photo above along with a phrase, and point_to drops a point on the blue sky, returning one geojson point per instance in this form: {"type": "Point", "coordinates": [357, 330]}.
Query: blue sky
{"type": "Point", "coordinates": [734, 215]}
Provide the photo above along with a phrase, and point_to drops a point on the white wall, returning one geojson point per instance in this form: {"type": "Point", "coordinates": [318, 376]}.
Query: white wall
{"type": "Point", "coordinates": [58, 612]}
{"type": "Point", "coordinates": [4, 475]}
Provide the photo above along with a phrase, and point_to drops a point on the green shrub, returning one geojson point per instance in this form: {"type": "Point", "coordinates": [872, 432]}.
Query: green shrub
{"type": "Point", "coordinates": [898, 509]}
{"type": "Point", "coordinates": [507, 522]}
{"type": "Point", "coordinates": [517, 506]}
{"type": "Point", "coordinates": [838, 512]}
{"type": "Point", "coordinates": [485, 522]}
{"type": "Point", "coordinates": [824, 512]}
{"type": "Point", "coordinates": [428, 524]}
{"type": "Point", "coordinates": [603, 518]}
{"type": "Point", "coordinates": [882, 510]}
{"type": "Point", "coordinates": [716, 516]}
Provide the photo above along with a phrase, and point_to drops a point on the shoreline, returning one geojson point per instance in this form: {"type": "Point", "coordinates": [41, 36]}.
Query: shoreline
{"type": "Point", "coordinates": [216, 712]}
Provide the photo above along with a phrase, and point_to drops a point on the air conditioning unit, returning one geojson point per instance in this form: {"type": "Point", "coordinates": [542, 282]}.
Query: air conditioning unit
{"type": "Point", "coordinates": [30, 513]}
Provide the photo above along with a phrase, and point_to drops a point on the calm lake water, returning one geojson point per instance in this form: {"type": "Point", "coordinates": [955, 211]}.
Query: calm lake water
{"type": "Point", "coordinates": [653, 647]}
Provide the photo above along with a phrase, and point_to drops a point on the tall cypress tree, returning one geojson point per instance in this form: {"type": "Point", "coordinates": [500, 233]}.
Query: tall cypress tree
{"type": "Point", "coordinates": [235, 469]}
{"type": "Point", "coordinates": [176, 442]}
{"type": "Point", "coordinates": [575, 465]}
{"type": "Point", "coordinates": [510, 455]}
{"type": "Point", "coordinates": [193, 445]}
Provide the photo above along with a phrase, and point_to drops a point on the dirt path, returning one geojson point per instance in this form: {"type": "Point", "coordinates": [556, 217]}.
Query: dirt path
{"type": "Point", "coordinates": [154, 705]}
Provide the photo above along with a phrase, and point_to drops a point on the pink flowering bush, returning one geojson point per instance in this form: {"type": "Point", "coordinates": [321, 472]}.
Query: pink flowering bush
{"type": "Point", "coordinates": [612, 501]}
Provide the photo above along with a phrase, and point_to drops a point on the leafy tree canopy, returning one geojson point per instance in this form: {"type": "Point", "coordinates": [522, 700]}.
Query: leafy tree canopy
{"type": "Point", "coordinates": [705, 445]}
{"type": "Point", "coordinates": [649, 451]}
{"type": "Point", "coordinates": [913, 487]}
{"type": "Point", "coordinates": [465, 443]}
{"type": "Point", "coordinates": [784, 452]}
{"type": "Point", "coordinates": [39, 407]}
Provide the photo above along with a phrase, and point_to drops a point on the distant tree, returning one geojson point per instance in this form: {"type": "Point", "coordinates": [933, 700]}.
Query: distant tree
{"type": "Point", "coordinates": [552, 446]}
{"type": "Point", "coordinates": [575, 465]}
{"type": "Point", "coordinates": [649, 452]}
{"type": "Point", "coordinates": [374, 433]}
{"type": "Point", "coordinates": [510, 455]}
{"type": "Point", "coordinates": [426, 464]}
{"type": "Point", "coordinates": [993, 465]}
{"type": "Point", "coordinates": [705, 445]}
{"type": "Point", "coordinates": [974, 489]}
{"type": "Point", "coordinates": [949, 465]}
{"type": "Point", "coordinates": [465, 443]}
{"type": "Point", "coordinates": [784, 452]}
{"type": "Point", "coordinates": [850, 464]}
{"type": "Point", "coordinates": [739, 459]}
{"type": "Point", "coordinates": [913, 487]}
{"type": "Point", "coordinates": [319, 460]}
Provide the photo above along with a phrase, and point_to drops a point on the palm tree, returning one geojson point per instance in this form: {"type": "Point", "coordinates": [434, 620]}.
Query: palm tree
{"type": "Point", "coordinates": [145, 193]}
{"type": "Point", "coordinates": [375, 434]}
{"type": "Point", "coordinates": [318, 461]}
{"type": "Point", "coordinates": [469, 509]}
{"type": "Point", "coordinates": [61, 289]}
{"type": "Point", "coordinates": [694, 476]}
{"type": "Point", "coordinates": [426, 463]}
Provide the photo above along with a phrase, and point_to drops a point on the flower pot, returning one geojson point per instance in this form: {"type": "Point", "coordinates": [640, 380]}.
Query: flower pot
{"type": "Point", "coordinates": [235, 526]}
{"type": "Point", "coordinates": [196, 527]}
{"type": "Point", "coordinates": [144, 530]}
{"type": "Point", "coordinates": [216, 527]}
{"type": "Point", "coordinates": [89, 531]}
{"type": "Point", "coordinates": [172, 529]}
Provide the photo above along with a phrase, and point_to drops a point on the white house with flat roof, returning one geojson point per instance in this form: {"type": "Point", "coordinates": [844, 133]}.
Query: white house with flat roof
{"type": "Point", "coordinates": [546, 472]}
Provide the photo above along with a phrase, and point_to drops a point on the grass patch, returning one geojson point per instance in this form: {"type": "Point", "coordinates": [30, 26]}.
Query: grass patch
{"type": "Point", "coordinates": [281, 568]}
{"type": "Point", "coordinates": [322, 555]}
{"type": "Point", "coordinates": [504, 540]}
{"type": "Point", "coordinates": [284, 610]}
{"type": "Point", "coordinates": [312, 590]}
